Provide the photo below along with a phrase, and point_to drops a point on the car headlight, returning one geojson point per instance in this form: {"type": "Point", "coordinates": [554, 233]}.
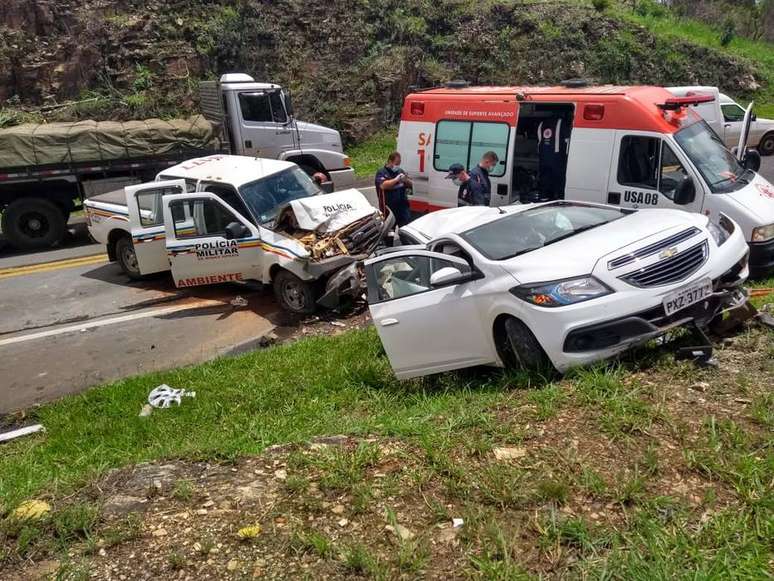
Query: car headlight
{"type": "Point", "coordinates": [763, 233]}
{"type": "Point", "coordinates": [562, 292]}
{"type": "Point", "coordinates": [719, 235]}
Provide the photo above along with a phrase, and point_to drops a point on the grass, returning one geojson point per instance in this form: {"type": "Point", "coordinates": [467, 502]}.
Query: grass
{"type": "Point", "coordinates": [760, 53]}
{"type": "Point", "coordinates": [369, 155]}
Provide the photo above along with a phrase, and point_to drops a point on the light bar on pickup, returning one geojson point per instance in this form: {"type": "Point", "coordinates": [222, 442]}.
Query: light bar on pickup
{"type": "Point", "coordinates": [675, 103]}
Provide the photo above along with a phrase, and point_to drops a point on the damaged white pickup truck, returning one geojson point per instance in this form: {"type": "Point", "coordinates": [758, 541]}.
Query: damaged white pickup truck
{"type": "Point", "coordinates": [229, 218]}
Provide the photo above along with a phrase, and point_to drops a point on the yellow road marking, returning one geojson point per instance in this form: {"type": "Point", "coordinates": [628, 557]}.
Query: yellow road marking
{"type": "Point", "coordinates": [55, 265]}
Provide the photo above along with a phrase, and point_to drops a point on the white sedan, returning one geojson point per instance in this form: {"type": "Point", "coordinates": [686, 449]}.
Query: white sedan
{"type": "Point", "coordinates": [561, 284]}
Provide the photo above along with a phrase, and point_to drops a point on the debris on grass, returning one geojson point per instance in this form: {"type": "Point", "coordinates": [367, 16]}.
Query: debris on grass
{"type": "Point", "coordinates": [164, 396]}
{"type": "Point", "coordinates": [18, 433]}
{"type": "Point", "coordinates": [509, 453]}
{"type": "Point", "coordinates": [146, 410]}
{"type": "Point", "coordinates": [31, 510]}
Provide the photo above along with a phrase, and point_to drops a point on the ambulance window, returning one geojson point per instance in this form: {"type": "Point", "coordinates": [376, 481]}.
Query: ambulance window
{"type": "Point", "coordinates": [490, 137]}
{"type": "Point", "coordinates": [732, 112]}
{"type": "Point", "coordinates": [638, 163]}
{"type": "Point", "coordinates": [672, 172]}
{"type": "Point", "coordinates": [452, 142]}
{"type": "Point", "coordinates": [465, 142]}
{"type": "Point", "coordinates": [198, 218]}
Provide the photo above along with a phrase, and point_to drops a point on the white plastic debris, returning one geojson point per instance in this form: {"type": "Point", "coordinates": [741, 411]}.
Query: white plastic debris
{"type": "Point", "coordinates": [18, 433]}
{"type": "Point", "coordinates": [239, 301]}
{"type": "Point", "coordinates": [337, 324]}
{"type": "Point", "coordinates": [164, 396]}
{"type": "Point", "coordinates": [457, 523]}
{"type": "Point", "coordinates": [146, 410]}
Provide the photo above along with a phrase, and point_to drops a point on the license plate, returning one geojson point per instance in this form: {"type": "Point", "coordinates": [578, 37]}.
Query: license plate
{"type": "Point", "coordinates": [684, 298]}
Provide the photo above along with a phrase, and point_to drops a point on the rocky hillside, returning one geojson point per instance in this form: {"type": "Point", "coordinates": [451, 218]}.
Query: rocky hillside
{"type": "Point", "coordinates": [347, 62]}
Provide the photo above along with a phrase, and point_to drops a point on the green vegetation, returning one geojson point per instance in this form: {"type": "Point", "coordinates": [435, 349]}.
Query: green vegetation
{"type": "Point", "coordinates": [371, 154]}
{"type": "Point", "coordinates": [760, 53]}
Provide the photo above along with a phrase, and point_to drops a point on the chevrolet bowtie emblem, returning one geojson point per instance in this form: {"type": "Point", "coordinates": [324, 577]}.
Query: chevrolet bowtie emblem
{"type": "Point", "coordinates": [668, 253]}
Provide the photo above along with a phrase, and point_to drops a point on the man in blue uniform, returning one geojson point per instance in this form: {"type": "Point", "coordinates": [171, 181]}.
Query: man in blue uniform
{"type": "Point", "coordinates": [475, 186]}
{"type": "Point", "coordinates": [391, 185]}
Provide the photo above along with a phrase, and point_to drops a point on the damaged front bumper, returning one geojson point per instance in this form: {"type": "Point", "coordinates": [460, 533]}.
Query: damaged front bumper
{"type": "Point", "coordinates": [652, 323]}
{"type": "Point", "coordinates": [348, 280]}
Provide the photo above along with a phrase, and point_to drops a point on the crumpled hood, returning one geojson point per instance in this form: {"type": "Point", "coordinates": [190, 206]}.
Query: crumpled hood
{"type": "Point", "coordinates": [577, 255]}
{"type": "Point", "coordinates": [328, 213]}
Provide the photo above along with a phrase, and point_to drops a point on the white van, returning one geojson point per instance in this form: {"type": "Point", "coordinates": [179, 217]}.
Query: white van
{"type": "Point", "coordinates": [726, 117]}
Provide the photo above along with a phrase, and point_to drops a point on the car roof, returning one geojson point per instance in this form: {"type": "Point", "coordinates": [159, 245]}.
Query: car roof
{"type": "Point", "coordinates": [236, 170]}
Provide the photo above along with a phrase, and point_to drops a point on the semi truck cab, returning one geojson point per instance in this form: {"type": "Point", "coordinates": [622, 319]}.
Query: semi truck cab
{"type": "Point", "coordinates": [637, 147]}
{"type": "Point", "coordinates": [257, 120]}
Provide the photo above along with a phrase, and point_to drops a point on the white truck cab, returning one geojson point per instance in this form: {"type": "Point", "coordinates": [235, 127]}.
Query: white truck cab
{"type": "Point", "coordinates": [633, 147]}
{"type": "Point", "coordinates": [226, 218]}
{"type": "Point", "coordinates": [257, 119]}
{"type": "Point", "coordinates": [726, 117]}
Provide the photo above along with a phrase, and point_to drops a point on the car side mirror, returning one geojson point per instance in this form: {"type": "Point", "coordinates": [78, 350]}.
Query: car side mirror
{"type": "Point", "coordinates": [753, 117]}
{"type": "Point", "coordinates": [447, 275]}
{"type": "Point", "coordinates": [752, 160]}
{"type": "Point", "coordinates": [327, 187]}
{"type": "Point", "coordinates": [685, 193]}
{"type": "Point", "coordinates": [236, 230]}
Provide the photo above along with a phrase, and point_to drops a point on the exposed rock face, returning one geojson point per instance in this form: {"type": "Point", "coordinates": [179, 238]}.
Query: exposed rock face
{"type": "Point", "coordinates": [348, 64]}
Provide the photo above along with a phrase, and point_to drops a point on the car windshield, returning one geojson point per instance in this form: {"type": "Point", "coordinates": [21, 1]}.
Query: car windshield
{"type": "Point", "coordinates": [267, 196]}
{"type": "Point", "coordinates": [718, 166]}
{"type": "Point", "coordinates": [523, 232]}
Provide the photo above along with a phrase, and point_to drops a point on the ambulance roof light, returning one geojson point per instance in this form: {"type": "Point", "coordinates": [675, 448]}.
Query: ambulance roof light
{"type": "Point", "coordinates": [675, 103]}
{"type": "Point", "coordinates": [575, 83]}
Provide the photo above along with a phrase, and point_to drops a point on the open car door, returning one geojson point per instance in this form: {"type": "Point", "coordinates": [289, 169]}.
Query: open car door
{"type": "Point", "coordinates": [741, 149]}
{"type": "Point", "coordinates": [146, 216]}
{"type": "Point", "coordinates": [424, 306]}
{"type": "Point", "coordinates": [208, 242]}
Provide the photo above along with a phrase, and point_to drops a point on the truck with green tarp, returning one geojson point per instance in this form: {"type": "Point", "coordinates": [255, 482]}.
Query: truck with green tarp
{"type": "Point", "coordinates": [46, 170]}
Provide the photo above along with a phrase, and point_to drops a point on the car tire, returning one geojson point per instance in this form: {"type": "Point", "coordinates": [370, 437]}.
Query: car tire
{"type": "Point", "coordinates": [127, 258]}
{"type": "Point", "coordinates": [295, 295]}
{"type": "Point", "coordinates": [766, 146]}
{"type": "Point", "coordinates": [522, 348]}
{"type": "Point", "coordinates": [33, 224]}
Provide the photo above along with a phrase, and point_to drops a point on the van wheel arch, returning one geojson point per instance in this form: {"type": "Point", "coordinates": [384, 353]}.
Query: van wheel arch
{"type": "Point", "coordinates": [766, 145]}
{"type": "Point", "coordinates": [518, 347]}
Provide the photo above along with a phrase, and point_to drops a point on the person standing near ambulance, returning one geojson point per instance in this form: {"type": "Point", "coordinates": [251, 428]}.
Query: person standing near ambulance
{"type": "Point", "coordinates": [475, 185]}
{"type": "Point", "coordinates": [392, 184]}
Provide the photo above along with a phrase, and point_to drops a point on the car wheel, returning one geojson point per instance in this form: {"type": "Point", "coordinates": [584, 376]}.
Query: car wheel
{"type": "Point", "coordinates": [523, 350]}
{"type": "Point", "coordinates": [127, 258]}
{"type": "Point", "coordinates": [295, 295]}
{"type": "Point", "coordinates": [766, 146]}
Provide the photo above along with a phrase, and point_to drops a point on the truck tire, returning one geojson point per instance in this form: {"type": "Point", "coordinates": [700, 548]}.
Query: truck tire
{"type": "Point", "coordinates": [523, 350]}
{"type": "Point", "coordinates": [766, 146]}
{"type": "Point", "coordinates": [127, 259]}
{"type": "Point", "coordinates": [33, 223]}
{"type": "Point", "coordinates": [295, 295]}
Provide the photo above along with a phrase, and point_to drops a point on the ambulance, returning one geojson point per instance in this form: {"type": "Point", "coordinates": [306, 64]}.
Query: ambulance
{"type": "Point", "coordinates": [637, 147]}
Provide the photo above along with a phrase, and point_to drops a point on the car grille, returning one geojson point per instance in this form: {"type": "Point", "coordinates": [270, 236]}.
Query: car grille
{"type": "Point", "coordinates": [674, 269]}
{"type": "Point", "coordinates": [652, 249]}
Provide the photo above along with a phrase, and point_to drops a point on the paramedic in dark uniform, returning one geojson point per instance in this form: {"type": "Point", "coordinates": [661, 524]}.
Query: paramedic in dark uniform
{"type": "Point", "coordinates": [477, 189]}
{"type": "Point", "coordinates": [391, 185]}
{"type": "Point", "coordinates": [552, 155]}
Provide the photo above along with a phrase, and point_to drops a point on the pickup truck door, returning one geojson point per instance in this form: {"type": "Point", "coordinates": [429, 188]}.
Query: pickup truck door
{"type": "Point", "coordinates": [146, 220]}
{"type": "Point", "coordinates": [645, 171]}
{"type": "Point", "coordinates": [208, 242]}
{"type": "Point", "coordinates": [426, 328]}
